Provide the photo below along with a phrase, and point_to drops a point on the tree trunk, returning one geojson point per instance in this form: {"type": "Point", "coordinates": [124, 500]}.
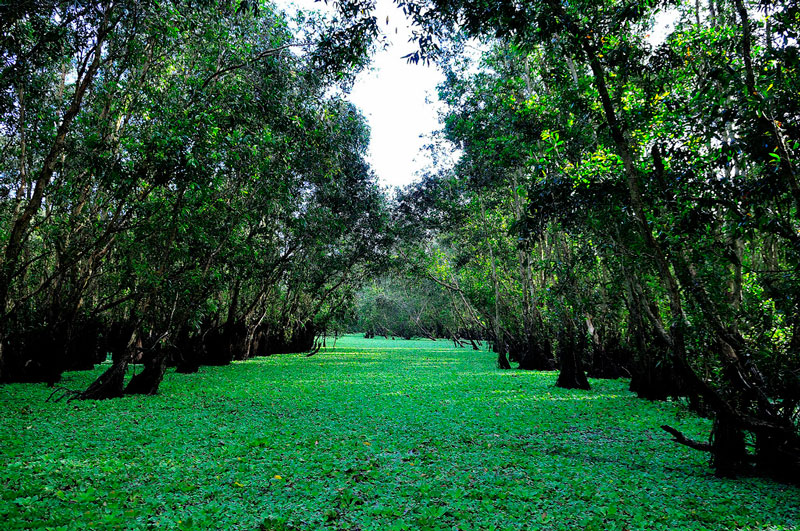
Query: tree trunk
{"type": "Point", "coordinates": [148, 381]}
{"type": "Point", "coordinates": [124, 350]}
{"type": "Point", "coordinates": [570, 352]}
{"type": "Point", "coordinates": [729, 452]}
{"type": "Point", "coordinates": [110, 384]}
{"type": "Point", "coordinates": [537, 356]}
{"type": "Point", "coordinates": [499, 340]}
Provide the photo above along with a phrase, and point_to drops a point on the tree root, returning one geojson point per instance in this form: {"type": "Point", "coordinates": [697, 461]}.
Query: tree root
{"type": "Point", "coordinates": [60, 393]}
{"type": "Point", "coordinates": [680, 438]}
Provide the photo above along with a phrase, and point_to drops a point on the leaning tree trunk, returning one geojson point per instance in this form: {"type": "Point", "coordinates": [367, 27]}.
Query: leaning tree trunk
{"type": "Point", "coordinates": [20, 226]}
{"type": "Point", "coordinates": [148, 381]}
{"type": "Point", "coordinates": [111, 383]}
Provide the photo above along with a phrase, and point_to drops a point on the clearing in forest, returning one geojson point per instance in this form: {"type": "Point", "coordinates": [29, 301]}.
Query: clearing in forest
{"type": "Point", "coordinates": [374, 434]}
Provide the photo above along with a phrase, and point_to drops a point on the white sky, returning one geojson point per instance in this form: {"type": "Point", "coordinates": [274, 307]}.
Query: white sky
{"type": "Point", "coordinates": [399, 100]}
{"type": "Point", "coordinates": [392, 97]}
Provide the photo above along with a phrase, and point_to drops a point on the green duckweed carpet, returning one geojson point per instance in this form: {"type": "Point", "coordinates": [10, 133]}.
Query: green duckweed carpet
{"type": "Point", "coordinates": [374, 434]}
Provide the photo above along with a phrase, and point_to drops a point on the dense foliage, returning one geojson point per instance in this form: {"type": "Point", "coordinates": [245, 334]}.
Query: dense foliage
{"type": "Point", "coordinates": [182, 185]}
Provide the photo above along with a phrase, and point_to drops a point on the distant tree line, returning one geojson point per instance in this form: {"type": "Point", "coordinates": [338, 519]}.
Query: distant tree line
{"type": "Point", "coordinates": [412, 306]}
